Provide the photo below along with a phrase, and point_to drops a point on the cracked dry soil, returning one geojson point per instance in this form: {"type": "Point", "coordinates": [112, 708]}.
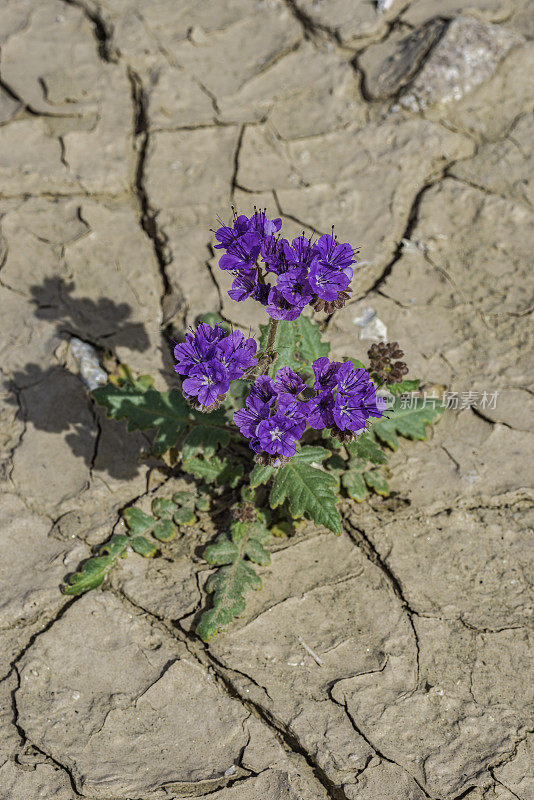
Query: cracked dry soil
{"type": "Point", "coordinates": [126, 126]}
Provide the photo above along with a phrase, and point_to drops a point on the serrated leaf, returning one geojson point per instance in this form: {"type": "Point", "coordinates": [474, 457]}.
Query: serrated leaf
{"type": "Point", "coordinates": [354, 483]}
{"type": "Point", "coordinates": [364, 447]}
{"type": "Point", "coordinates": [228, 584]}
{"type": "Point", "coordinates": [408, 422]}
{"type": "Point", "coordinates": [223, 551]}
{"type": "Point", "coordinates": [260, 474]}
{"type": "Point", "coordinates": [311, 345]}
{"type": "Point", "coordinates": [185, 516]}
{"type": "Point", "coordinates": [137, 521]}
{"type": "Point", "coordinates": [90, 575]}
{"type": "Point", "coordinates": [214, 470]}
{"type": "Point", "coordinates": [235, 575]}
{"type": "Point", "coordinates": [167, 412]}
{"type": "Point", "coordinates": [161, 507]}
{"type": "Point", "coordinates": [376, 481]}
{"type": "Point", "coordinates": [206, 438]}
{"type": "Point", "coordinates": [309, 491]}
{"type": "Point", "coordinates": [143, 546]}
{"type": "Point", "coordinates": [257, 553]}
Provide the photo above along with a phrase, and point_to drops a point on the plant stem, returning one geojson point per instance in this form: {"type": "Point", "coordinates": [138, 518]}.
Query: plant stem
{"type": "Point", "coordinates": [272, 335]}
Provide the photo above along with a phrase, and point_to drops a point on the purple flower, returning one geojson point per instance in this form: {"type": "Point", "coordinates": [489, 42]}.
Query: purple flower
{"type": "Point", "coordinates": [319, 411]}
{"type": "Point", "coordinates": [352, 381]}
{"type": "Point", "coordinates": [274, 253]}
{"type": "Point", "coordinates": [206, 381]}
{"type": "Point", "coordinates": [242, 253]}
{"type": "Point", "coordinates": [205, 333]}
{"type": "Point", "coordinates": [226, 235]}
{"type": "Point", "coordinates": [263, 226]}
{"type": "Point", "coordinates": [236, 354]}
{"type": "Point", "coordinates": [247, 419]}
{"type": "Point", "coordinates": [263, 390]}
{"type": "Point", "coordinates": [288, 381]}
{"type": "Point", "coordinates": [261, 293]}
{"type": "Point", "coordinates": [279, 434]}
{"type": "Point", "coordinates": [375, 406]}
{"type": "Point", "coordinates": [189, 354]}
{"type": "Point", "coordinates": [326, 281]}
{"type": "Point", "coordinates": [325, 373]}
{"type": "Point", "coordinates": [280, 308]}
{"type": "Point", "coordinates": [288, 406]}
{"type": "Point", "coordinates": [340, 256]}
{"type": "Point", "coordinates": [349, 412]}
{"type": "Point", "coordinates": [294, 286]}
{"type": "Point", "coordinates": [244, 285]}
{"type": "Point", "coordinates": [301, 253]}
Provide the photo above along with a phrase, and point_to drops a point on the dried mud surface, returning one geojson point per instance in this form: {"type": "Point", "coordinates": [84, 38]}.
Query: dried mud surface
{"type": "Point", "coordinates": [125, 129]}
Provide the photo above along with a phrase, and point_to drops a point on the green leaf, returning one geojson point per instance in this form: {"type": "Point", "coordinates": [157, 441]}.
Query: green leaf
{"type": "Point", "coordinates": [116, 546]}
{"type": "Point", "coordinates": [202, 503]}
{"type": "Point", "coordinates": [228, 584]}
{"type": "Point", "coordinates": [404, 387]}
{"type": "Point", "coordinates": [235, 575]}
{"type": "Point", "coordinates": [376, 481]}
{"type": "Point", "coordinates": [311, 345]}
{"type": "Point", "coordinates": [222, 552]}
{"type": "Point", "coordinates": [137, 521]}
{"type": "Point", "coordinates": [354, 361]}
{"type": "Point", "coordinates": [212, 318]}
{"type": "Point", "coordinates": [364, 447]}
{"type": "Point", "coordinates": [260, 474]}
{"type": "Point", "coordinates": [207, 436]}
{"type": "Point", "coordinates": [164, 530]}
{"type": "Point", "coordinates": [185, 516]}
{"type": "Point", "coordinates": [309, 491]}
{"type": "Point", "coordinates": [214, 470]}
{"type": "Point", "coordinates": [143, 546]}
{"type": "Point", "coordinates": [184, 499]}
{"type": "Point", "coordinates": [90, 575]}
{"type": "Point", "coordinates": [408, 422]}
{"type": "Point", "coordinates": [161, 507]}
{"type": "Point", "coordinates": [354, 483]}
{"type": "Point", "coordinates": [286, 343]}
{"type": "Point", "coordinates": [167, 412]}
{"type": "Point", "coordinates": [257, 553]}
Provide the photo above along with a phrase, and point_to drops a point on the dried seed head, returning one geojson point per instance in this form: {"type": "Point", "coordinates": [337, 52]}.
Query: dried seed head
{"type": "Point", "coordinates": [382, 357]}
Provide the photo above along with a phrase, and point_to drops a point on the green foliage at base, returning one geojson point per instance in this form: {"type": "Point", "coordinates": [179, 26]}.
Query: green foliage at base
{"type": "Point", "coordinates": [167, 517]}
{"type": "Point", "coordinates": [233, 554]}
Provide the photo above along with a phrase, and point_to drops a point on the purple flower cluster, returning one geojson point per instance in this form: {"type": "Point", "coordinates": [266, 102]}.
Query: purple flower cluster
{"type": "Point", "coordinates": [277, 412]}
{"type": "Point", "coordinates": [274, 418]}
{"type": "Point", "coordinates": [211, 358]}
{"type": "Point", "coordinates": [284, 277]}
{"type": "Point", "coordinates": [345, 398]}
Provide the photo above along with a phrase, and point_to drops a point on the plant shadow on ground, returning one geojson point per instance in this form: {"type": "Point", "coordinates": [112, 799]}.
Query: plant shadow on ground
{"type": "Point", "coordinates": [54, 400]}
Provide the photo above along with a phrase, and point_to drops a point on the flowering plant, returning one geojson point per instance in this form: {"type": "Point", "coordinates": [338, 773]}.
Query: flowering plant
{"type": "Point", "coordinates": [276, 427]}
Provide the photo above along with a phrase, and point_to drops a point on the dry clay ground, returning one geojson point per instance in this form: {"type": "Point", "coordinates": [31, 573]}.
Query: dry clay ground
{"type": "Point", "coordinates": [126, 127]}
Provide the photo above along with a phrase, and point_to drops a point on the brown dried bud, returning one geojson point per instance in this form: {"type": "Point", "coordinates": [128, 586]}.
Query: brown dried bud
{"type": "Point", "coordinates": [382, 357]}
{"type": "Point", "coordinates": [245, 512]}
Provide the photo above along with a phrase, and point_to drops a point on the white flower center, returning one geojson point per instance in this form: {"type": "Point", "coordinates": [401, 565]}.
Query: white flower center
{"type": "Point", "coordinates": [276, 434]}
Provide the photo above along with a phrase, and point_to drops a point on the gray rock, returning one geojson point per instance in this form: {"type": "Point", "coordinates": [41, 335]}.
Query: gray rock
{"type": "Point", "coordinates": [466, 55]}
